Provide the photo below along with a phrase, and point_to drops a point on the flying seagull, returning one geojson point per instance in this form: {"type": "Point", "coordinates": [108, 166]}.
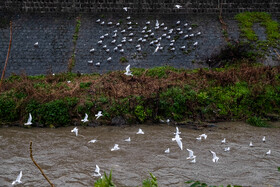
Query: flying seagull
{"type": "Point", "coordinates": [140, 131]}
{"type": "Point", "coordinates": [29, 120]}
{"type": "Point", "coordinates": [99, 114]}
{"type": "Point", "coordinates": [75, 130]}
{"type": "Point", "coordinates": [97, 172]}
{"type": "Point", "coordinates": [115, 148]}
{"type": "Point", "coordinates": [158, 45]}
{"type": "Point", "coordinates": [177, 131]}
{"type": "Point", "coordinates": [17, 181]}
{"type": "Point", "coordinates": [126, 8]}
{"type": "Point", "coordinates": [127, 71]}
{"type": "Point", "coordinates": [215, 158]}
{"type": "Point", "coordinates": [85, 119]}
{"type": "Point", "coordinates": [178, 140]}
{"type": "Point", "coordinates": [191, 156]}
{"type": "Point", "coordinates": [194, 159]}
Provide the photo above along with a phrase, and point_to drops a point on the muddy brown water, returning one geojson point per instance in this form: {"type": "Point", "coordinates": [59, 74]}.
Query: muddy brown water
{"type": "Point", "coordinates": [70, 161]}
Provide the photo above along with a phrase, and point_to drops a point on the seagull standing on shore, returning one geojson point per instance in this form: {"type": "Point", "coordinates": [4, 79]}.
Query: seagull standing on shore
{"type": "Point", "coordinates": [99, 114]}
{"type": "Point", "coordinates": [97, 171]}
{"type": "Point", "coordinates": [18, 180]}
{"type": "Point", "coordinates": [215, 158]}
{"type": "Point", "coordinates": [75, 130]}
{"type": "Point", "coordinates": [85, 119]}
{"type": "Point", "coordinates": [29, 120]}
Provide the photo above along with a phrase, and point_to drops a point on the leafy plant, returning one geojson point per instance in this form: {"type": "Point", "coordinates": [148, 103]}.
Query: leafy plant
{"type": "Point", "coordinates": [123, 59]}
{"type": "Point", "coordinates": [150, 182]}
{"type": "Point", "coordinates": [257, 121]}
{"type": "Point", "coordinates": [105, 181]}
{"type": "Point", "coordinates": [85, 84]}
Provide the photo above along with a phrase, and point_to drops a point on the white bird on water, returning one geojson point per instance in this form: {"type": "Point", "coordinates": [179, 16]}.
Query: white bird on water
{"type": "Point", "coordinates": [29, 120]}
{"type": "Point", "coordinates": [75, 130]}
{"type": "Point", "coordinates": [167, 150]}
{"type": "Point", "coordinates": [92, 141]}
{"type": "Point", "coordinates": [85, 119]}
{"type": "Point", "coordinates": [223, 141]}
{"type": "Point", "coordinates": [99, 114]}
{"type": "Point", "coordinates": [194, 159]}
{"type": "Point", "coordinates": [125, 8]}
{"type": "Point", "coordinates": [263, 139]}
{"type": "Point", "coordinates": [36, 44]}
{"type": "Point", "coordinates": [215, 158]}
{"type": "Point", "coordinates": [191, 156]}
{"type": "Point", "coordinates": [127, 71]}
{"type": "Point", "coordinates": [128, 139]}
{"type": "Point", "coordinates": [18, 180]}
{"type": "Point", "coordinates": [158, 45]}
{"type": "Point", "coordinates": [97, 172]}
{"type": "Point", "coordinates": [178, 140]}
{"type": "Point", "coordinates": [115, 148]}
{"type": "Point", "coordinates": [227, 149]}
{"type": "Point", "coordinates": [251, 144]}
{"type": "Point", "coordinates": [268, 152]}
{"type": "Point", "coordinates": [92, 50]}
{"type": "Point", "coordinates": [140, 131]}
{"type": "Point", "coordinates": [178, 6]}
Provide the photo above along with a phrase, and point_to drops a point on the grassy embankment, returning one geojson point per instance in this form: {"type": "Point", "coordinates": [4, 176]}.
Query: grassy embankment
{"type": "Point", "coordinates": [240, 89]}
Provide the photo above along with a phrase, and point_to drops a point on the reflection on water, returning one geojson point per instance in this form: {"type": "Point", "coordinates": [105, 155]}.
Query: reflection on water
{"type": "Point", "coordinates": [70, 161]}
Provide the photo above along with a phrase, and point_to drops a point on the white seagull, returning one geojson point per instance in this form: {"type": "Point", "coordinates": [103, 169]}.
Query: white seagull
{"type": "Point", "coordinates": [178, 140]}
{"type": "Point", "coordinates": [97, 172]}
{"type": "Point", "coordinates": [158, 45]}
{"type": "Point", "coordinates": [17, 181]}
{"type": "Point", "coordinates": [177, 129]}
{"type": "Point", "coordinates": [92, 141]}
{"type": "Point", "coordinates": [215, 158]}
{"type": "Point", "coordinates": [127, 71]}
{"type": "Point", "coordinates": [268, 152]}
{"type": "Point", "coordinates": [75, 130]}
{"type": "Point", "coordinates": [223, 141]}
{"type": "Point", "coordinates": [128, 139]}
{"type": "Point", "coordinates": [29, 120]}
{"type": "Point", "coordinates": [251, 144]}
{"type": "Point", "coordinates": [194, 159]}
{"type": "Point", "coordinates": [167, 150]}
{"type": "Point", "coordinates": [263, 139]}
{"type": "Point", "coordinates": [115, 148]}
{"type": "Point", "coordinates": [85, 119]}
{"type": "Point", "coordinates": [36, 44]}
{"type": "Point", "coordinates": [178, 6]}
{"type": "Point", "coordinates": [227, 149]}
{"type": "Point", "coordinates": [92, 50]}
{"type": "Point", "coordinates": [140, 131]}
{"type": "Point", "coordinates": [99, 114]}
{"type": "Point", "coordinates": [126, 8]}
{"type": "Point", "coordinates": [191, 156]}
{"type": "Point", "coordinates": [195, 44]}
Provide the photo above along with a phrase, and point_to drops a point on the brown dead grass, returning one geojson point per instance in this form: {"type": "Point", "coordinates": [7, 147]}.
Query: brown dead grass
{"type": "Point", "coordinates": [117, 85]}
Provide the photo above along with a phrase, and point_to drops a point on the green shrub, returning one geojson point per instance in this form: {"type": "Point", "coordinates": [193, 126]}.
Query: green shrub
{"type": "Point", "coordinates": [55, 112]}
{"type": "Point", "coordinates": [105, 181]}
{"type": "Point", "coordinates": [150, 182]}
{"type": "Point", "coordinates": [8, 111]}
{"type": "Point", "coordinates": [200, 184]}
{"type": "Point", "coordinates": [85, 84]}
{"type": "Point", "coordinates": [257, 122]}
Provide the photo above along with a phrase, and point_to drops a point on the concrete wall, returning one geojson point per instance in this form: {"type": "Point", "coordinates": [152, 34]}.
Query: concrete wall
{"type": "Point", "coordinates": [140, 6]}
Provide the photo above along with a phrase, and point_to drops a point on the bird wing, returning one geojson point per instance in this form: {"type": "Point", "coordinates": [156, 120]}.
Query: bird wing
{"type": "Point", "coordinates": [97, 169]}
{"type": "Point", "coordinates": [179, 142]}
{"type": "Point", "coordinates": [86, 117]}
{"type": "Point", "coordinates": [127, 68]}
{"type": "Point", "coordinates": [19, 177]}
{"type": "Point", "coordinates": [213, 153]}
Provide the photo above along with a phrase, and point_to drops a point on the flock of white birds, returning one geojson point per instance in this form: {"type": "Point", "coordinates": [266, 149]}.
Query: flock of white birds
{"type": "Point", "coordinates": [191, 156]}
{"type": "Point", "coordinates": [150, 38]}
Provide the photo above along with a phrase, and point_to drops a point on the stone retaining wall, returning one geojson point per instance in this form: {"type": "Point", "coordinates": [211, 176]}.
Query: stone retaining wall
{"type": "Point", "coordinates": [140, 6]}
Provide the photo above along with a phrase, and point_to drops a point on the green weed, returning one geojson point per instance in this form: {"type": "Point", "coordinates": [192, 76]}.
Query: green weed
{"type": "Point", "coordinates": [150, 182]}
{"type": "Point", "coordinates": [257, 122]}
{"type": "Point", "coordinates": [105, 181]}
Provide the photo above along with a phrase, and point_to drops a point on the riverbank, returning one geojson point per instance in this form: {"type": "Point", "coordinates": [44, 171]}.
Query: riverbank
{"type": "Point", "coordinates": [239, 92]}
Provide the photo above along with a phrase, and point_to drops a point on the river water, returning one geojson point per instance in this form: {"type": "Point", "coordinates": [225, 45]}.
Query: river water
{"type": "Point", "coordinates": [69, 160]}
